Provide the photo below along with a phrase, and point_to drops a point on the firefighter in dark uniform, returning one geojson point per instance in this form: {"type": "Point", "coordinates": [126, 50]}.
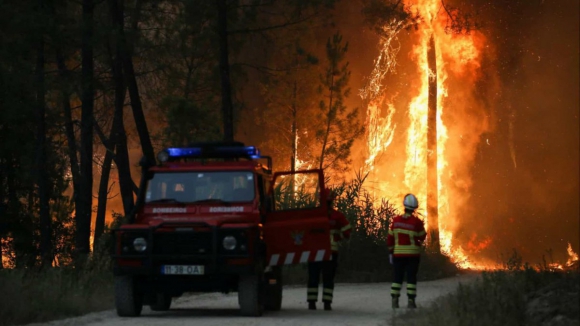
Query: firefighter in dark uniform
{"type": "Point", "coordinates": [406, 235]}
{"type": "Point", "coordinates": [339, 229]}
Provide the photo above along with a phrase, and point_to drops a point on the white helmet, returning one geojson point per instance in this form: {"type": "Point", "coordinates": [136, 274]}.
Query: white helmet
{"type": "Point", "coordinates": [410, 202]}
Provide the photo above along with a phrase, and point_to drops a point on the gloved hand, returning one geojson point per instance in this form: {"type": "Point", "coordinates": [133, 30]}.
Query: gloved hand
{"type": "Point", "coordinates": [391, 259]}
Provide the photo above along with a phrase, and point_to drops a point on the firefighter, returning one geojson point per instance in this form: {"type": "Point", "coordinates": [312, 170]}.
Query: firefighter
{"type": "Point", "coordinates": [406, 235]}
{"type": "Point", "coordinates": [339, 230]}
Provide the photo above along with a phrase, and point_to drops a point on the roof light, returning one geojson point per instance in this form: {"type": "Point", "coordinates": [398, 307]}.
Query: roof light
{"type": "Point", "coordinates": [208, 152]}
{"type": "Point", "coordinates": [183, 152]}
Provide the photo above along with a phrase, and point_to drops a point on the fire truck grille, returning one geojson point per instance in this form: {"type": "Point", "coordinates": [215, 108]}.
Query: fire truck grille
{"type": "Point", "coordinates": [182, 244]}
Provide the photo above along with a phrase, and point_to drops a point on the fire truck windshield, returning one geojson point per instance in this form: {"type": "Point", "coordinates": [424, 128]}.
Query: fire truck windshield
{"type": "Point", "coordinates": [190, 187]}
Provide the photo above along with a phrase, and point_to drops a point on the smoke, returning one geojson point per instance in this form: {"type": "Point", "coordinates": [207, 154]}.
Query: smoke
{"type": "Point", "coordinates": [525, 191]}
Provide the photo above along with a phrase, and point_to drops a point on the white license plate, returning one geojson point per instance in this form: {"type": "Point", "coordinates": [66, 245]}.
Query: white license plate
{"type": "Point", "coordinates": [182, 269]}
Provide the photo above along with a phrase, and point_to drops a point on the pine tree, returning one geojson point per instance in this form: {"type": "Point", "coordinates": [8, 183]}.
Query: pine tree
{"type": "Point", "coordinates": [340, 126]}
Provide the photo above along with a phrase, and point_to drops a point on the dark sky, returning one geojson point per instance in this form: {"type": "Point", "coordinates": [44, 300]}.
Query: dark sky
{"type": "Point", "coordinates": [530, 87]}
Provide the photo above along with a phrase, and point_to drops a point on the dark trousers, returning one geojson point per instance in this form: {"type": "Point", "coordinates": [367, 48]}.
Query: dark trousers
{"type": "Point", "coordinates": [328, 271]}
{"type": "Point", "coordinates": [402, 266]}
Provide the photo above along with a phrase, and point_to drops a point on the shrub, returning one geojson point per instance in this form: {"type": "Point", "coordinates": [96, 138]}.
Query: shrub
{"type": "Point", "coordinates": [38, 295]}
{"type": "Point", "coordinates": [516, 295]}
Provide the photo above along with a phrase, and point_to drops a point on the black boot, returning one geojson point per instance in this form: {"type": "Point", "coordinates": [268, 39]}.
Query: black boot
{"type": "Point", "coordinates": [327, 306]}
{"type": "Point", "coordinates": [412, 304]}
{"type": "Point", "coordinates": [395, 302]}
{"type": "Point", "coordinates": [312, 305]}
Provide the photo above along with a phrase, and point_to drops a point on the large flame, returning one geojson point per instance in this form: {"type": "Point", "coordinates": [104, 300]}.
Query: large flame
{"type": "Point", "coordinates": [458, 56]}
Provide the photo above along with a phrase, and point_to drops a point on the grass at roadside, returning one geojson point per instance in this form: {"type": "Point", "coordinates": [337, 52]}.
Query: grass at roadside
{"type": "Point", "coordinates": [524, 296]}
{"type": "Point", "coordinates": [28, 296]}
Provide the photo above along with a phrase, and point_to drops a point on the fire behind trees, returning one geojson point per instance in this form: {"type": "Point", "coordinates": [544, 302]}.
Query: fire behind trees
{"type": "Point", "coordinates": [161, 61]}
{"type": "Point", "coordinates": [81, 67]}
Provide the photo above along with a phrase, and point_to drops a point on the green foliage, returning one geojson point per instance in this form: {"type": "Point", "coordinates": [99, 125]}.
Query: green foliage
{"type": "Point", "coordinates": [339, 126]}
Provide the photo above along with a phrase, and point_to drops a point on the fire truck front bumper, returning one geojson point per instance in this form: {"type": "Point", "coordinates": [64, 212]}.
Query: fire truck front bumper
{"type": "Point", "coordinates": [183, 254]}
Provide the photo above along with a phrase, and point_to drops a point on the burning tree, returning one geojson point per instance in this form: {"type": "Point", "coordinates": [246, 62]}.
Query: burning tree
{"type": "Point", "coordinates": [389, 18]}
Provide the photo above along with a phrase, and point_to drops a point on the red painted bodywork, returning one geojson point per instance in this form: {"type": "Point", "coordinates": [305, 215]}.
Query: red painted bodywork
{"type": "Point", "coordinates": [279, 229]}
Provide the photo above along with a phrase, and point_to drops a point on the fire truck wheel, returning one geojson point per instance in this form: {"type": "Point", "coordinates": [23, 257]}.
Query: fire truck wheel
{"type": "Point", "coordinates": [273, 289]}
{"type": "Point", "coordinates": [249, 296]}
{"type": "Point", "coordinates": [128, 302]}
{"type": "Point", "coordinates": [163, 302]}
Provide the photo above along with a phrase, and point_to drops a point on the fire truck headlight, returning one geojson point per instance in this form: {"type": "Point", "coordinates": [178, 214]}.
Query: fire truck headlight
{"type": "Point", "coordinates": [229, 242]}
{"type": "Point", "coordinates": [163, 156]}
{"type": "Point", "coordinates": [140, 244]}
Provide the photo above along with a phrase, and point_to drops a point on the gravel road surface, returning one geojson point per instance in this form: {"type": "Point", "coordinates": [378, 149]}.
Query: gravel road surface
{"type": "Point", "coordinates": [354, 304]}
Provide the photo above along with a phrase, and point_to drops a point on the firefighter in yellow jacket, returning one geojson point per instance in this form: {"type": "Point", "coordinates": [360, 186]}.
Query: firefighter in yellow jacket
{"type": "Point", "coordinates": [406, 235]}
{"type": "Point", "coordinates": [339, 229]}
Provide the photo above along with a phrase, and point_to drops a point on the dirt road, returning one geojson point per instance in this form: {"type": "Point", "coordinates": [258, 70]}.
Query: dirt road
{"type": "Point", "coordinates": [354, 304]}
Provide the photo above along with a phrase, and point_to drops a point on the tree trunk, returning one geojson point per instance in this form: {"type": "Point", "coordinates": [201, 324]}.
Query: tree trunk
{"type": "Point", "coordinates": [294, 129]}
{"type": "Point", "coordinates": [3, 215]}
{"type": "Point", "coordinates": [103, 194]}
{"type": "Point", "coordinates": [1, 254]}
{"type": "Point", "coordinates": [42, 173]}
{"type": "Point", "coordinates": [328, 123]}
{"type": "Point", "coordinates": [432, 173]}
{"type": "Point", "coordinates": [224, 63]}
{"type": "Point", "coordinates": [69, 126]}
{"type": "Point", "coordinates": [83, 213]}
{"type": "Point", "coordinates": [120, 137]}
{"type": "Point", "coordinates": [125, 51]}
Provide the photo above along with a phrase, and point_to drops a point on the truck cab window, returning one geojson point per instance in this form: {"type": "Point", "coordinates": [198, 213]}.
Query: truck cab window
{"type": "Point", "coordinates": [188, 187]}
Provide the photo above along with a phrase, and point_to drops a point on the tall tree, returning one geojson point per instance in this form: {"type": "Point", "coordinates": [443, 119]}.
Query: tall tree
{"type": "Point", "coordinates": [432, 173]}
{"type": "Point", "coordinates": [379, 13]}
{"type": "Point", "coordinates": [117, 12]}
{"type": "Point", "coordinates": [340, 125]}
{"type": "Point", "coordinates": [290, 93]}
{"type": "Point", "coordinates": [41, 158]}
{"type": "Point", "coordinates": [84, 211]}
{"type": "Point", "coordinates": [224, 67]}
{"type": "Point", "coordinates": [243, 23]}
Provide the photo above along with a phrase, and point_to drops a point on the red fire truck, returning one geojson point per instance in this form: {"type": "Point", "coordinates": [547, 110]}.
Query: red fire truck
{"type": "Point", "coordinates": [214, 218]}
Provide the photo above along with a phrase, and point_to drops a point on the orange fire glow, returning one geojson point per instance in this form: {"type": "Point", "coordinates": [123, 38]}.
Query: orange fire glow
{"type": "Point", "coordinates": [458, 56]}
{"type": "Point", "coordinates": [573, 257]}
{"type": "Point", "coordinates": [571, 263]}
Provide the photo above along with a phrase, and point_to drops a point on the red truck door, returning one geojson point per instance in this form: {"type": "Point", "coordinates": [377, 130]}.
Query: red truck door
{"type": "Point", "coordinates": [297, 230]}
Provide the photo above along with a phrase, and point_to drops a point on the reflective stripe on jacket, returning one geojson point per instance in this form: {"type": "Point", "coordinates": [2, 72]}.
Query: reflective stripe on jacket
{"type": "Point", "coordinates": [406, 234]}
{"type": "Point", "coordinates": [339, 228]}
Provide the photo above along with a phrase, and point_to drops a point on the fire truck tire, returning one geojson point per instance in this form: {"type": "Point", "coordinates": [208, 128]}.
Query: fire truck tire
{"type": "Point", "coordinates": [249, 295]}
{"type": "Point", "coordinates": [128, 302]}
{"type": "Point", "coordinates": [163, 302]}
{"type": "Point", "coordinates": [273, 289]}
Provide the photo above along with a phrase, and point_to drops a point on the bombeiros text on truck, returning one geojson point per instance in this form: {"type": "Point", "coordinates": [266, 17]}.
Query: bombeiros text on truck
{"type": "Point", "coordinates": [213, 217]}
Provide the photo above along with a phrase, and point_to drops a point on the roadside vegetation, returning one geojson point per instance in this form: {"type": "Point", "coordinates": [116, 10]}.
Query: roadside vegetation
{"type": "Point", "coordinates": [365, 257]}
{"type": "Point", "coordinates": [520, 294]}
{"type": "Point", "coordinates": [39, 295]}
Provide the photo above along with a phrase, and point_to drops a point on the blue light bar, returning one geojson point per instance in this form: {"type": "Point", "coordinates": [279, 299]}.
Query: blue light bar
{"type": "Point", "coordinates": [213, 152]}
{"type": "Point", "coordinates": [183, 152]}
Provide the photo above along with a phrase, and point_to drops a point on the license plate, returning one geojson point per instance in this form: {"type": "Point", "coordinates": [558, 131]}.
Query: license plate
{"type": "Point", "coordinates": [182, 269]}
